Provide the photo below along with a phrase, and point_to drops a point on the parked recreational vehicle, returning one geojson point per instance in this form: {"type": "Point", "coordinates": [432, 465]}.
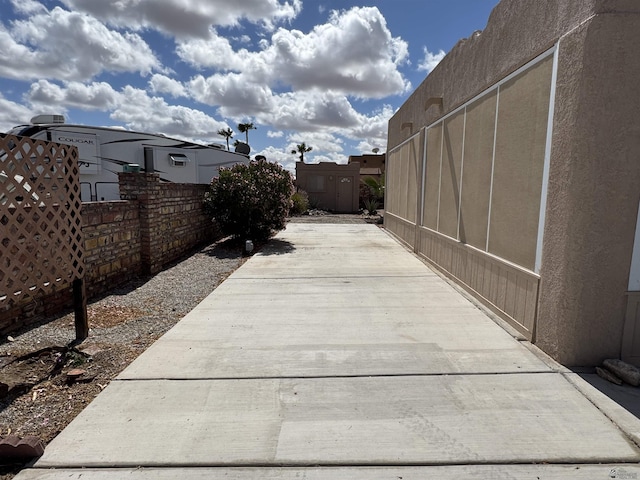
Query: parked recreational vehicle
{"type": "Point", "coordinates": [103, 152]}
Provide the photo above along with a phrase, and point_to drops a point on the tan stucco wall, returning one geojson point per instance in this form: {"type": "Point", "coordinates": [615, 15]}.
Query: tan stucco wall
{"type": "Point", "coordinates": [328, 198]}
{"type": "Point", "coordinates": [594, 184]}
{"type": "Point", "coordinates": [594, 189]}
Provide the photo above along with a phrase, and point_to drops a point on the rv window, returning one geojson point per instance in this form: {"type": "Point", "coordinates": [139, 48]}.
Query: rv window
{"type": "Point", "coordinates": [178, 159]}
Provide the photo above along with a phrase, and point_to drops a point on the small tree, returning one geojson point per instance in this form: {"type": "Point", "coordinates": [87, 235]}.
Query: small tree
{"type": "Point", "coordinates": [244, 128]}
{"type": "Point", "coordinates": [227, 134]}
{"type": "Point", "coordinates": [250, 201]}
{"type": "Point", "coordinates": [301, 149]}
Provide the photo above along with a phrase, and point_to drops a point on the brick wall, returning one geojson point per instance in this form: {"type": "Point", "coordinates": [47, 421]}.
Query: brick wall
{"type": "Point", "coordinates": [153, 225]}
{"type": "Point", "coordinates": [112, 244]}
{"type": "Point", "coordinates": [172, 218]}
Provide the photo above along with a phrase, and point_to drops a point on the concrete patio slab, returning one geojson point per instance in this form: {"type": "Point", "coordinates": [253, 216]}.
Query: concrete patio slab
{"type": "Point", "coordinates": [413, 420]}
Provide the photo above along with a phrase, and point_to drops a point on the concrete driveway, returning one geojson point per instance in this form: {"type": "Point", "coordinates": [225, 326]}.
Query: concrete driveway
{"type": "Point", "coordinates": [335, 353]}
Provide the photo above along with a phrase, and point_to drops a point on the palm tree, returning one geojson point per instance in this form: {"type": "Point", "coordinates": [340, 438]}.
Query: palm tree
{"type": "Point", "coordinates": [244, 128]}
{"type": "Point", "coordinates": [376, 186]}
{"type": "Point", "coordinates": [227, 134]}
{"type": "Point", "coordinates": [301, 149]}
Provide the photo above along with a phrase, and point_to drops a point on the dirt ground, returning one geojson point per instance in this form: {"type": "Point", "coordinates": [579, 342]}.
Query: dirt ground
{"type": "Point", "coordinates": [46, 388]}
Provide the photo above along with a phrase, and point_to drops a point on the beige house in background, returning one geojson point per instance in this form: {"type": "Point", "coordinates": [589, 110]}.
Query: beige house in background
{"type": "Point", "coordinates": [515, 169]}
{"type": "Point", "coordinates": [331, 186]}
{"type": "Point", "coordinates": [370, 165]}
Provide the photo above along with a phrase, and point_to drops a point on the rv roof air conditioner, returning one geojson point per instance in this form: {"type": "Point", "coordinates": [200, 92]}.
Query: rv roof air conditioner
{"type": "Point", "coordinates": [178, 159]}
{"type": "Point", "coordinates": [43, 119]}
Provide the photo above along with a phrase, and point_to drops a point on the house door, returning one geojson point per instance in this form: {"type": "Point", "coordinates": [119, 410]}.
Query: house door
{"type": "Point", "coordinates": [345, 194]}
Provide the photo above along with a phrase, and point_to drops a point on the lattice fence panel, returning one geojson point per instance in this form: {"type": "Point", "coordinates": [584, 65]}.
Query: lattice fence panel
{"type": "Point", "coordinates": [41, 244]}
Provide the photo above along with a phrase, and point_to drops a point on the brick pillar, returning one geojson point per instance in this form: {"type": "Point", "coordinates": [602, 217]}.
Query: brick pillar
{"type": "Point", "coordinates": [145, 189]}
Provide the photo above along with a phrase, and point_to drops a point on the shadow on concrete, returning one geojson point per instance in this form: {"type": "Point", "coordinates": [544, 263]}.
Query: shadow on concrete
{"type": "Point", "coordinates": [627, 396]}
{"type": "Point", "coordinates": [276, 246]}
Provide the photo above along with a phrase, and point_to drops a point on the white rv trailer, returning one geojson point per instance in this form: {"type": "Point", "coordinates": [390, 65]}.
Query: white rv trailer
{"type": "Point", "coordinates": [103, 152]}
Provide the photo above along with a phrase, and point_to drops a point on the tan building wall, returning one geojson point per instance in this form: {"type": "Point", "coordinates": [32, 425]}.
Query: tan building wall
{"type": "Point", "coordinates": [369, 162]}
{"type": "Point", "coordinates": [520, 151]}
{"type": "Point", "coordinates": [331, 186]}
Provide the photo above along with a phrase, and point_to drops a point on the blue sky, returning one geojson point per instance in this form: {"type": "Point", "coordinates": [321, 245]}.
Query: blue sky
{"type": "Point", "coordinates": [328, 73]}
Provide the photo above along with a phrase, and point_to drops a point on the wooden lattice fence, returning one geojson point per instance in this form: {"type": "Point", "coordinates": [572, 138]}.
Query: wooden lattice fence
{"type": "Point", "coordinates": [42, 247]}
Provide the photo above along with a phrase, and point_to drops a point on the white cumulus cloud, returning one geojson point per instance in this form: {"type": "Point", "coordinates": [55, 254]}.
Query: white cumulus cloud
{"type": "Point", "coordinates": [187, 18]}
{"type": "Point", "coordinates": [353, 53]}
{"type": "Point", "coordinates": [162, 84]}
{"type": "Point", "coordinates": [13, 114]}
{"type": "Point", "coordinates": [430, 60]}
{"type": "Point", "coordinates": [28, 6]}
{"type": "Point", "coordinates": [67, 45]}
{"type": "Point", "coordinates": [132, 107]}
{"type": "Point", "coordinates": [95, 96]}
{"type": "Point", "coordinates": [232, 93]}
{"type": "Point", "coordinates": [304, 82]}
{"type": "Point", "coordinates": [139, 111]}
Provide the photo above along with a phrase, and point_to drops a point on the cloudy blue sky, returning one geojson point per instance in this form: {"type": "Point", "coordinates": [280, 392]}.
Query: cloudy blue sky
{"type": "Point", "coordinates": [328, 73]}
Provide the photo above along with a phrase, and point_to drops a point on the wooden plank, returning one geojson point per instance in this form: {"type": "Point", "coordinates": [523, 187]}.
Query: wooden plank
{"type": "Point", "coordinates": [521, 299]}
{"type": "Point", "coordinates": [532, 304]}
{"type": "Point", "coordinates": [501, 300]}
{"type": "Point", "coordinates": [80, 309]}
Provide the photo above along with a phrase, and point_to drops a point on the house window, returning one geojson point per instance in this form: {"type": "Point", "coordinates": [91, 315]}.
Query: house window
{"type": "Point", "coordinates": [315, 183]}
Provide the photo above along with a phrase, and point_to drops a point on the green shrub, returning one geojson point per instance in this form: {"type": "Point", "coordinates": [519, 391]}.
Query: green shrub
{"type": "Point", "coordinates": [371, 205]}
{"type": "Point", "coordinates": [314, 203]}
{"type": "Point", "coordinates": [300, 201]}
{"type": "Point", "coordinates": [250, 201]}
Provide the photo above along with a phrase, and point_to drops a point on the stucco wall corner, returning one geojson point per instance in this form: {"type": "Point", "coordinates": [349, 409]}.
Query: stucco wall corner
{"type": "Point", "coordinates": [593, 192]}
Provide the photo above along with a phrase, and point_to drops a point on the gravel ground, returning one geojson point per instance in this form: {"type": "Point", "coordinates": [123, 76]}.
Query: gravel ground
{"type": "Point", "coordinates": [42, 400]}
{"type": "Point", "coordinates": [155, 303]}
{"type": "Point", "coordinates": [40, 397]}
